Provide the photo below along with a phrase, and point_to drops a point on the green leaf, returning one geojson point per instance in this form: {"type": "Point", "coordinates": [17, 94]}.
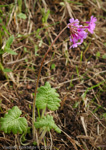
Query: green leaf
{"type": "Point", "coordinates": [0, 20]}
{"type": "Point", "coordinates": [20, 35]}
{"type": "Point", "coordinates": [0, 40]}
{"type": "Point", "coordinates": [3, 6]}
{"type": "Point", "coordinates": [84, 95]}
{"type": "Point", "coordinates": [47, 97]}
{"type": "Point", "coordinates": [47, 15]}
{"type": "Point", "coordinates": [76, 104]}
{"type": "Point", "coordinates": [9, 41]}
{"type": "Point", "coordinates": [104, 44]}
{"type": "Point", "coordinates": [36, 50]}
{"type": "Point", "coordinates": [53, 66]}
{"type": "Point", "coordinates": [98, 54]}
{"type": "Point", "coordinates": [104, 115]}
{"type": "Point", "coordinates": [22, 16]}
{"type": "Point", "coordinates": [47, 123]}
{"type": "Point", "coordinates": [7, 70]}
{"type": "Point", "coordinates": [19, 5]}
{"type": "Point", "coordinates": [12, 122]}
{"type": "Point", "coordinates": [5, 29]}
{"type": "Point", "coordinates": [104, 56]}
{"type": "Point", "coordinates": [62, 3]}
{"type": "Point", "coordinates": [1, 51]}
{"type": "Point", "coordinates": [10, 51]}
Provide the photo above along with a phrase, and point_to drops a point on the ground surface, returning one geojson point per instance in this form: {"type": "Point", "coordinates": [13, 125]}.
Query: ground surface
{"type": "Point", "coordinates": [78, 74]}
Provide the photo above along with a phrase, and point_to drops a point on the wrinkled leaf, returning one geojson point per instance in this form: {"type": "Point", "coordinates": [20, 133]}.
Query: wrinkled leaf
{"type": "Point", "coordinates": [47, 123]}
{"type": "Point", "coordinates": [12, 122]}
{"type": "Point", "coordinates": [47, 97]}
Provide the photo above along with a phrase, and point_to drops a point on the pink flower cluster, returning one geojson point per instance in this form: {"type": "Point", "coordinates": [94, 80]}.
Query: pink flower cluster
{"type": "Point", "coordinates": [78, 32]}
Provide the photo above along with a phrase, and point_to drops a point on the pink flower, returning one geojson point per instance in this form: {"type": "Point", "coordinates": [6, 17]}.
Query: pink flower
{"type": "Point", "coordinates": [78, 33]}
{"type": "Point", "coordinates": [91, 24]}
{"type": "Point", "coordinates": [77, 38]}
{"type": "Point", "coordinates": [74, 22]}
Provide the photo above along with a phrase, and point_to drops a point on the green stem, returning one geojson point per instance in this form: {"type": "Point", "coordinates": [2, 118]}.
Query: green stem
{"type": "Point", "coordinates": [38, 112]}
{"type": "Point", "coordinates": [2, 73]}
{"type": "Point", "coordinates": [1, 58]}
{"type": "Point", "coordinates": [43, 112]}
{"type": "Point", "coordinates": [34, 101]}
{"type": "Point", "coordinates": [1, 55]}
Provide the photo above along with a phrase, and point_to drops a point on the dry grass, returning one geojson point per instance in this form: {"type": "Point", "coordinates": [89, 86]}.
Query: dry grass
{"type": "Point", "coordinates": [79, 74]}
